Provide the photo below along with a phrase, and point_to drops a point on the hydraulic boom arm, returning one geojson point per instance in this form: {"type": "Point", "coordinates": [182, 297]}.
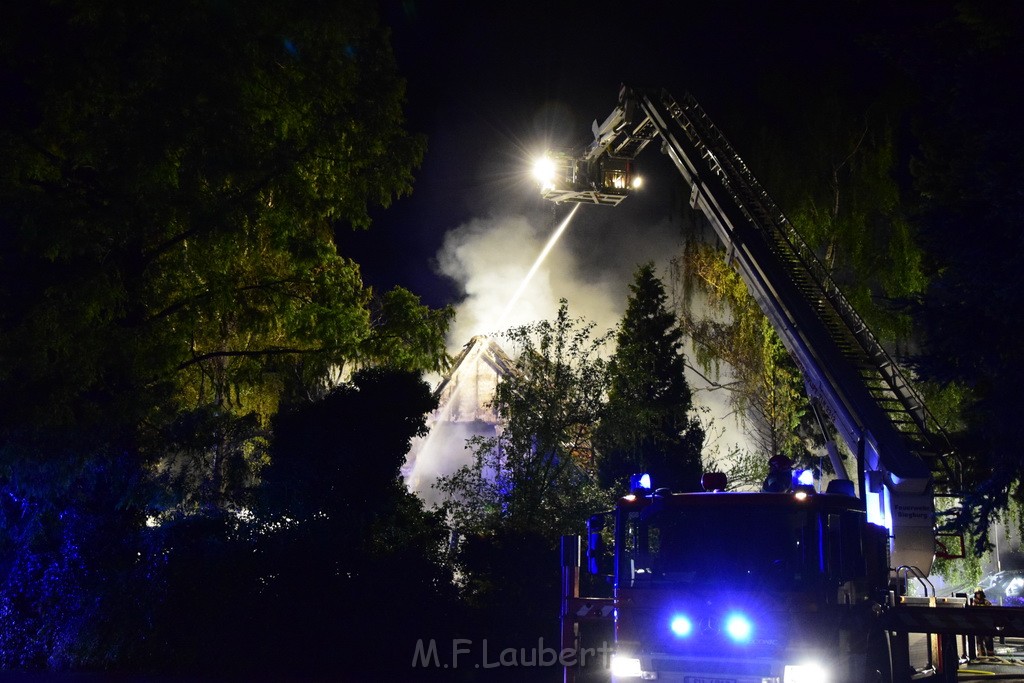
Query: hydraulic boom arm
{"type": "Point", "coordinates": [898, 444]}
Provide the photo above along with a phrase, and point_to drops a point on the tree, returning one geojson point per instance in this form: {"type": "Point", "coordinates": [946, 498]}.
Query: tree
{"type": "Point", "coordinates": [168, 224]}
{"type": "Point", "coordinates": [539, 476]}
{"type": "Point", "coordinates": [332, 529]}
{"type": "Point", "coordinates": [344, 452]}
{"type": "Point", "coordinates": [168, 269]}
{"type": "Point", "coordinates": [212, 459]}
{"type": "Point", "coordinates": [171, 182]}
{"type": "Point", "coordinates": [834, 167]}
{"type": "Point", "coordinates": [730, 329]}
{"type": "Point", "coordinates": [967, 174]}
{"type": "Point", "coordinates": [647, 423]}
{"type": "Point", "coordinates": [533, 482]}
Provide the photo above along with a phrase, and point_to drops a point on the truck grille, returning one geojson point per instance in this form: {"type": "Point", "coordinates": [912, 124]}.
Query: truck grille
{"type": "Point", "coordinates": [714, 667]}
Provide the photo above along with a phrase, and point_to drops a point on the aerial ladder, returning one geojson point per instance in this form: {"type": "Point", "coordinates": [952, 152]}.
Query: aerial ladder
{"type": "Point", "coordinates": [902, 453]}
{"type": "Point", "coordinates": [903, 457]}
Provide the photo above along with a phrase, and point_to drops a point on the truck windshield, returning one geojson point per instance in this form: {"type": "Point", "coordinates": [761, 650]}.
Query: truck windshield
{"type": "Point", "coordinates": [769, 546]}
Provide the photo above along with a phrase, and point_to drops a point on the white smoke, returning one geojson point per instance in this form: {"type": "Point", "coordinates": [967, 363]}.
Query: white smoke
{"type": "Point", "coordinates": [439, 454]}
{"type": "Point", "coordinates": [491, 257]}
{"type": "Point", "coordinates": [591, 266]}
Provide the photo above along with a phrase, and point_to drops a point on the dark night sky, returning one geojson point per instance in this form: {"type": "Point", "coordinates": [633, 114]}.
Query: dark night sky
{"type": "Point", "coordinates": [491, 83]}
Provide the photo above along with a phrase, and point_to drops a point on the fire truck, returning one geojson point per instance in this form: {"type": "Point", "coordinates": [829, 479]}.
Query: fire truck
{"type": "Point", "coordinates": [793, 584]}
{"type": "Point", "coordinates": [728, 586]}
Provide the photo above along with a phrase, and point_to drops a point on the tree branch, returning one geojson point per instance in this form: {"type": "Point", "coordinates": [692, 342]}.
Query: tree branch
{"type": "Point", "coordinates": [713, 384]}
{"type": "Point", "coordinates": [247, 354]}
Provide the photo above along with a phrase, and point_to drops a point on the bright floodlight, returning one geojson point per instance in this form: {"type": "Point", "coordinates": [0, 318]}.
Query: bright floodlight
{"type": "Point", "coordinates": [544, 170]}
{"type": "Point", "coordinates": [681, 626]}
{"type": "Point", "coordinates": [739, 628]}
{"type": "Point", "coordinates": [626, 667]}
{"type": "Point", "coordinates": [810, 672]}
{"type": "Point", "coordinates": [637, 182]}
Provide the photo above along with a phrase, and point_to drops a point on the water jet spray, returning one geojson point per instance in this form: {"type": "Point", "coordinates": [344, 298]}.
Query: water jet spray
{"type": "Point", "coordinates": [536, 266]}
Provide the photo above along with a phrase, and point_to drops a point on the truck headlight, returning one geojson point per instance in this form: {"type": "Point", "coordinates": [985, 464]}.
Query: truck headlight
{"type": "Point", "coordinates": [625, 667]}
{"type": "Point", "coordinates": [808, 672]}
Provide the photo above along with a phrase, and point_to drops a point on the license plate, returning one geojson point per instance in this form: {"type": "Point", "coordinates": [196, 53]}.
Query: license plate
{"type": "Point", "coordinates": [705, 679]}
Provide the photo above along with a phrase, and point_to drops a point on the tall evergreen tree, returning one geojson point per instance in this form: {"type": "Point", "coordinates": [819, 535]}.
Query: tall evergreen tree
{"type": "Point", "coordinates": [647, 424]}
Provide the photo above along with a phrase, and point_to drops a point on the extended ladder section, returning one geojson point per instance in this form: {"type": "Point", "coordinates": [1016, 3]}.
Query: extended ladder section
{"type": "Point", "coordinates": [882, 420]}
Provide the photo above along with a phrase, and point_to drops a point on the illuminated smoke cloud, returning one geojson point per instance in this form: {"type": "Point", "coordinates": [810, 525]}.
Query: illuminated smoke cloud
{"type": "Point", "coordinates": [591, 266]}
{"type": "Point", "coordinates": [490, 257]}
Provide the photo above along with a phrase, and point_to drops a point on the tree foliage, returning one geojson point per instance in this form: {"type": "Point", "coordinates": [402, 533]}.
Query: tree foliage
{"type": "Point", "coordinates": [539, 475]}
{"type": "Point", "coordinates": [967, 174]}
{"type": "Point", "coordinates": [903, 174]}
{"type": "Point", "coordinates": [334, 530]}
{"type": "Point", "coordinates": [170, 184]}
{"type": "Point", "coordinates": [729, 330]}
{"type": "Point", "coordinates": [337, 455]}
{"type": "Point", "coordinates": [835, 168]}
{"type": "Point", "coordinates": [172, 178]}
{"type": "Point", "coordinates": [647, 423]}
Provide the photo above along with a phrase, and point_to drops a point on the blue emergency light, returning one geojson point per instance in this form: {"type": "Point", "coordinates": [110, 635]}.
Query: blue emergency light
{"type": "Point", "coordinates": [640, 481]}
{"type": "Point", "coordinates": [738, 627]}
{"type": "Point", "coordinates": [681, 625]}
{"type": "Point", "coordinates": [804, 477]}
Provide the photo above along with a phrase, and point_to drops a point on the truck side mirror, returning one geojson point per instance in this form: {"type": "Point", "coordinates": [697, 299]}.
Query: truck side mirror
{"type": "Point", "coordinates": [876, 556]}
{"type": "Point", "coordinates": [845, 553]}
{"type": "Point", "coordinates": [599, 562]}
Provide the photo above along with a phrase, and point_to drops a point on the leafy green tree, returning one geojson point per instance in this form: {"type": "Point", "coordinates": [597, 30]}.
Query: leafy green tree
{"type": "Point", "coordinates": [967, 174]}
{"type": "Point", "coordinates": [334, 530]}
{"type": "Point", "coordinates": [343, 453]}
{"type": "Point", "coordinates": [647, 423]}
{"type": "Point", "coordinates": [835, 168]}
{"type": "Point", "coordinates": [172, 178]}
{"type": "Point", "coordinates": [539, 475]}
{"type": "Point", "coordinates": [728, 329]}
{"type": "Point", "coordinates": [534, 481]}
{"type": "Point", "coordinates": [170, 185]}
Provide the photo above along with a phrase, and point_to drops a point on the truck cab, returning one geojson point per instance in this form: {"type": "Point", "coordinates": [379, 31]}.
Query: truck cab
{"type": "Point", "coordinates": [728, 587]}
